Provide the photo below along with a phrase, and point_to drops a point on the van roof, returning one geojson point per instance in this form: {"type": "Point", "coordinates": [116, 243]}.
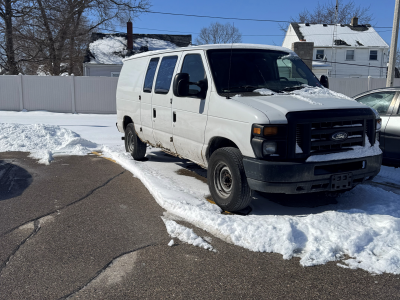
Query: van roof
{"type": "Point", "coordinates": [212, 46]}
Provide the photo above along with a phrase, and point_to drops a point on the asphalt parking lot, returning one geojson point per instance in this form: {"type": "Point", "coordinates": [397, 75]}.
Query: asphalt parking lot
{"type": "Point", "coordinates": [85, 228]}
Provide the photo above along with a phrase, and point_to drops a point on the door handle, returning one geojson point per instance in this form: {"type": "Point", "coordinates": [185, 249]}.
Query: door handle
{"type": "Point", "coordinates": [174, 117]}
{"type": "Point", "coordinates": [154, 113]}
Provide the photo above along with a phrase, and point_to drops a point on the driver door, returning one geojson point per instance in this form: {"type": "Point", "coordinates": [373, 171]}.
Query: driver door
{"type": "Point", "coordinates": [190, 113]}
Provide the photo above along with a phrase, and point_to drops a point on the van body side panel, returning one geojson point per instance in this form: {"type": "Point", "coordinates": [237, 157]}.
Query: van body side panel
{"type": "Point", "coordinates": [146, 134]}
{"type": "Point", "coordinates": [232, 120]}
{"type": "Point", "coordinates": [162, 110]}
{"type": "Point", "coordinates": [190, 114]}
{"type": "Point", "coordinates": [128, 91]}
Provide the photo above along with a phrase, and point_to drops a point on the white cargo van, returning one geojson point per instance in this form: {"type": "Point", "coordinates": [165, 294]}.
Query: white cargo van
{"type": "Point", "coordinates": [255, 116]}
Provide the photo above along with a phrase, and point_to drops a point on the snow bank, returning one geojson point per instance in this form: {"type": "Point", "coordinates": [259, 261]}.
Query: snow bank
{"type": "Point", "coordinates": [43, 141]}
{"type": "Point", "coordinates": [358, 151]}
{"type": "Point", "coordinates": [365, 226]}
{"type": "Point", "coordinates": [185, 235]}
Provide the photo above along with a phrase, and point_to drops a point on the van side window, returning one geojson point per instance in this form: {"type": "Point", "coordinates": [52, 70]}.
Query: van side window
{"type": "Point", "coordinates": [193, 65]}
{"type": "Point", "coordinates": [151, 71]}
{"type": "Point", "coordinates": [164, 76]}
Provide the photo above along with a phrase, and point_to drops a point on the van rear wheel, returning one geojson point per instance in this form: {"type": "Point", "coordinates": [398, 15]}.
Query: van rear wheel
{"type": "Point", "coordinates": [133, 144]}
{"type": "Point", "coordinates": [227, 179]}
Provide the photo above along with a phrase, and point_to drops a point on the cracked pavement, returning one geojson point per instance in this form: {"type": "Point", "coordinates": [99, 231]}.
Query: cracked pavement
{"type": "Point", "coordinates": [84, 228]}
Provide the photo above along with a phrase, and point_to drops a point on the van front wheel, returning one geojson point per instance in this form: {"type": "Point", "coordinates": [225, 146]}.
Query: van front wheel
{"type": "Point", "coordinates": [133, 144]}
{"type": "Point", "coordinates": [227, 179]}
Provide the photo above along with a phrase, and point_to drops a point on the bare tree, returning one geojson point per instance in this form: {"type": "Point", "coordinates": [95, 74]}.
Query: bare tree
{"type": "Point", "coordinates": [10, 10]}
{"type": "Point", "coordinates": [325, 14]}
{"type": "Point", "coordinates": [218, 33]}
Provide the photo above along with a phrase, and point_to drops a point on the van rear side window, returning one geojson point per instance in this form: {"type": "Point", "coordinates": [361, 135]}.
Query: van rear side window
{"type": "Point", "coordinates": [151, 71]}
{"type": "Point", "coordinates": [164, 76]}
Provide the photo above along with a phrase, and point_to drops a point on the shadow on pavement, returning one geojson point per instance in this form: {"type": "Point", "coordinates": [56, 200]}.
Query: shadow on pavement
{"type": "Point", "coordinates": [13, 180]}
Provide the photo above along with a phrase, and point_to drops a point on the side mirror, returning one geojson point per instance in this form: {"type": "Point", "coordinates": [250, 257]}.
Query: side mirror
{"type": "Point", "coordinates": [181, 85]}
{"type": "Point", "coordinates": [324, 81]}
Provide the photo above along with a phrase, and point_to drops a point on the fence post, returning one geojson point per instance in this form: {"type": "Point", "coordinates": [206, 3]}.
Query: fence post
{"type": "Point", "coordinates": [21, 96]}
{"type": "Point", "coordinates": [369, 83]}
{"type": "Point", "coordinates": [73, 93]}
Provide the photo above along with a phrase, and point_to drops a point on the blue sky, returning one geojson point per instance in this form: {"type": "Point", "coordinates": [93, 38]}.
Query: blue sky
{"type": "Point", "coordinates": [382, 11]}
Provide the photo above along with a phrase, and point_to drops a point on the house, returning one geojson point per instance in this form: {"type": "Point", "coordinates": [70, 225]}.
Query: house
{"type": "Point", "coordinates": [106, 51]}
{"type": "Point", "coordinates": [342, 50]}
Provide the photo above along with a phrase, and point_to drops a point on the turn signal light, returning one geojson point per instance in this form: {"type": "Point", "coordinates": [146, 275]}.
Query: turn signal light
{"type": "Point", "coordinates": [257, 131]}
{"type": "Point", "coordinates": [270, 130]}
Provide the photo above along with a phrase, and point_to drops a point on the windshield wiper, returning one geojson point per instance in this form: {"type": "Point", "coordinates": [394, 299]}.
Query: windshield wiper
{"type": "Point", "coordinates": [292, 88]}
{"type": "Point", "coordinates": [246, 87]}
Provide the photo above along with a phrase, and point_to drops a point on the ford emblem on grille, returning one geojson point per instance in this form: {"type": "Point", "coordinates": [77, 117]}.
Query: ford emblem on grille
{"type": "Point", "coordinates": [339, 136]}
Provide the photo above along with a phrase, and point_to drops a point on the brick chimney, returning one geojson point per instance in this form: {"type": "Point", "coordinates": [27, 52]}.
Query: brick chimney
{"type": "Point", "coordinates": [305, 51]}
{"type": "Point", "coordinates": [354, 21]}
{"type": "Point", "coordinates": [129, 37]}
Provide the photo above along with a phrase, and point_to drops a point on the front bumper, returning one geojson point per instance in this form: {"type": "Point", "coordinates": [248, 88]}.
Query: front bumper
{"type": "Point", "coordinates": [303, 177]}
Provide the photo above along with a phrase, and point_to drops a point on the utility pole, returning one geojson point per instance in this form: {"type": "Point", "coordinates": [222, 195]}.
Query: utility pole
{"type": "Point", "coordinates": [393, 45]}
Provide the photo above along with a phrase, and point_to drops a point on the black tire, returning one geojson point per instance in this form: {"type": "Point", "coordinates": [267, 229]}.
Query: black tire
{"type": "Point", "coordinates": [227, 179]}
{"type": "Point", "coordinates": [133, 144]}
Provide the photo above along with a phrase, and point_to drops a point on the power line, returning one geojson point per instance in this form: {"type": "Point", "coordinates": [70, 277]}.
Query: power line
{"type": "Point", "coordinates": [230, 18]}
{"type": "Point", "coordinates": [242, 34]}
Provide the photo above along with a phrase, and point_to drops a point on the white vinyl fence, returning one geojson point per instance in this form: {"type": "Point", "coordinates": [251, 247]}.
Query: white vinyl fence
{"type": "Point", "coordinates": [97, 94]}
{"type": "Point", "coordinates": [354, 86]}
{"type": "Point", "coordinates": [58, 93]}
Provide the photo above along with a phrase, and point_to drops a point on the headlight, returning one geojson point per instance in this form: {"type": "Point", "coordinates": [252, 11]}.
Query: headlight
{"type": "Point", "coordinates": [269, 147]}
{"type": "Point", "coordinates": [378, 124]}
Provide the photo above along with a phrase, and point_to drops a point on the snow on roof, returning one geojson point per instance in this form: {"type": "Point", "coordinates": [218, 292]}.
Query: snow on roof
{"type": "Point", "coordinates": [357, 36]}
{"type": "Point", "coordinates": [112, 49]}
{"type": "Point", "coordinates": [321, 64]}
{"type": "Point", "coordinates": [105, 50]}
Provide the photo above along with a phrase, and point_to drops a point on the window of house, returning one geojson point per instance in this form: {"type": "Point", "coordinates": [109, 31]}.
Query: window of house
{"type": "Point", "coordinates": [320, 54]}
{"type": "Point", "coordinates": [349, 54]}
{"type": "Point", "coordinates": [373, 55]}
{"type": "Point", "coordinates": [193, 65]}
{"type": "Point", "coordinates": [164, 76]}
{"type": "Point", "coordinates": [114, 74]}
{"type": "Point", "coordinates": [151, 71]}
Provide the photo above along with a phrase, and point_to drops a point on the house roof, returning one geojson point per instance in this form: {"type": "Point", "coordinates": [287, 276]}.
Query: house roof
{"type": "Point", "coordinates": [346, 35]}
{"type": "Point", "coordinates": [112, 48]}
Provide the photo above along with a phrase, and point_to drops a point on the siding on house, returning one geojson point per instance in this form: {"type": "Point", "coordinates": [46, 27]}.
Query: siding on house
{"type": "Point", "coordinates": [101, 70]}
{"type": "Point", "coordinates": [360, 38]}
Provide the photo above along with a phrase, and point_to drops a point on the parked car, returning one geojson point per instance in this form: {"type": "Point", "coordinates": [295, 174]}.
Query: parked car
{"type": "Point", "coordinates": [386, 102]}
{"type": "Point", "coordinates": [232, 110]}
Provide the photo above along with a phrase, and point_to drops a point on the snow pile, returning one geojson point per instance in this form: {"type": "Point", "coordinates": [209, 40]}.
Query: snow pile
{"type": "Point", "coordinates": [265, 92]}
{"type": "Point", "coordinates": [106, 50]}
{"type": "Point", "coordinates": [318, 92]}
{"type": "Point", "coordinates": [153, 44]}
{"type": "Point", "coordinates": [43, 141]}
{"type": "Point", "coordinates": [366, 227]}
{"type": "Point", "coordinates": [358, 151]}
{"type": "Point", "coordinates": [185, 234]}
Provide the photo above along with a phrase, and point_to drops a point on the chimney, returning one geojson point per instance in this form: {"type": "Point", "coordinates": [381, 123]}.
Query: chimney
{"type": "Point", "coordinates": [305, 51]}
{"type": "Point", "coordinates": [354, 21]}
{"type": "Point", "coordinates": [129, 37]}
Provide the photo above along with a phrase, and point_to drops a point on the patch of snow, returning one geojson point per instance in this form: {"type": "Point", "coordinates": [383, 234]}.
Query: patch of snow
{"type": "Point", "coordinates": [265, 92]}
{"type": "Point", "coordinates": [43, 141]}
{"type": "Point", "coordinates": [105, 50]}
{"type": "Point", "coordinates": [185, 234]}
{"type": "Point", "coordinates": [171, 243]}
{"type": "Point", "coordinates": [153, 44]}
{"type": "Point", "coordinates": [298, 148]}
{"type": "Point", "coordinates": [358, 151]}
{"type": "Point", "coordinates": [319, 92]}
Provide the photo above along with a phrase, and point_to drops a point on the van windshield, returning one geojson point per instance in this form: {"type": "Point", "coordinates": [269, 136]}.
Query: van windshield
{"type": "Point", "coordinates": [246, 70]}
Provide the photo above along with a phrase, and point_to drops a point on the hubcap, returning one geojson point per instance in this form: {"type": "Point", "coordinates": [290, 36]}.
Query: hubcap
{"type": "Point", "coordinates": [131, 144]}
{"type": "Point", "coordinates": [223, 180]}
